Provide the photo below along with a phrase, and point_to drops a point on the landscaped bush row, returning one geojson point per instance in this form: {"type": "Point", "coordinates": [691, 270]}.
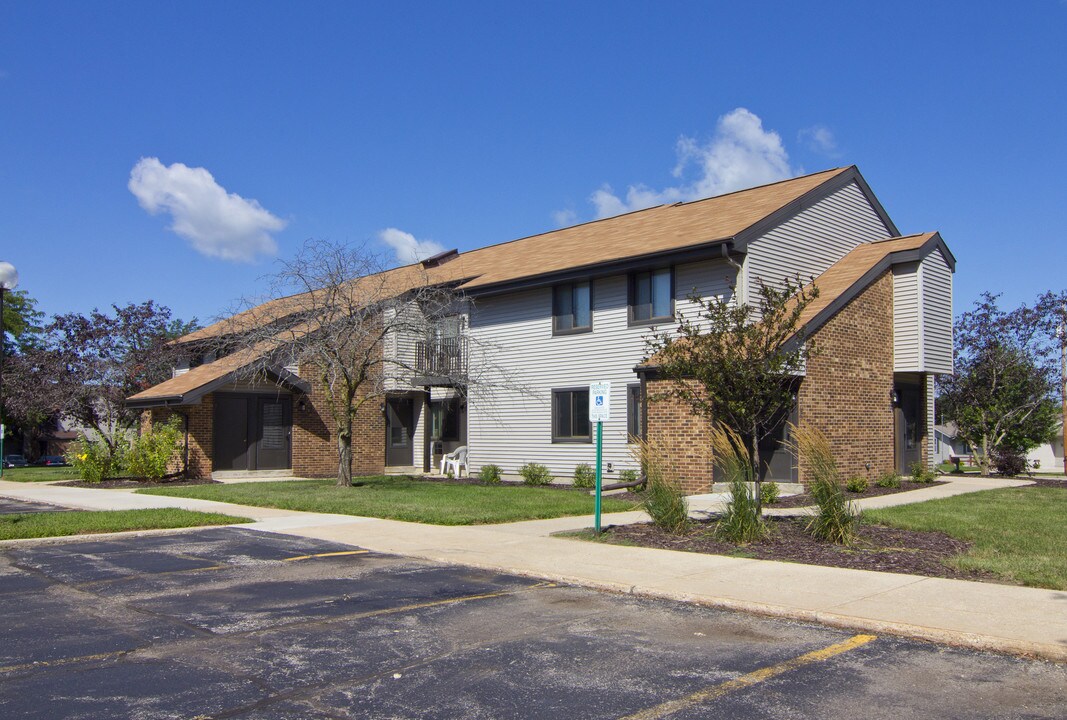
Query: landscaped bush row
{"type": "Point", "coordinates": [146, 456]}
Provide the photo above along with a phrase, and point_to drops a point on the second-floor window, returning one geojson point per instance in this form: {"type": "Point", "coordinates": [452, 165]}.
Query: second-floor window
{"type": "Point", "coordinates": [652, 296]}
{"type": "Point", "coordinates": [572, 308]}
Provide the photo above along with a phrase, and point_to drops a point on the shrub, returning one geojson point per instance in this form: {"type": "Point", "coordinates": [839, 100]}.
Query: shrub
{"type": "Point", "coordinates": [1008, 463]}
{"type": "Point", "coordinates": [628, 476]}
{"type": "Point", "coordinates": [663, 498]}
{"type": "Point", "coordinates": [490, 474]}
{"type": "Point", "coordinates": [94, 461]}
{"type": "Point", "coordinates": [922, 474]}
{"type": "Point", "coordinates": [834, 519]}
{"type": "Point", "coordinates": [888, 480]}
{"type": "Point", "coordinates": [150, 454]}
{"type": "Point", "coordinates": [535, 474]}
{"type": "Point", "coordinates": [769, 493]}
{"type": "Point", "coordinates": [584, 476]}
{"type": "Point", "coordinates": [856, 484]}
{"type": "Point", "coordinates": [741, 521]}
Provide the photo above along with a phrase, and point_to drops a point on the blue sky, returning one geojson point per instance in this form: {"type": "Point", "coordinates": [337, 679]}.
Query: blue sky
{"type": "Point", "coordinates": [172, 150]}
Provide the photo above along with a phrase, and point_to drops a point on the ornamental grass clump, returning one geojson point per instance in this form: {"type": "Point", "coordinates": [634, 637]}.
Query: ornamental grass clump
{"type": "Point", "coordinates": [663, 498]}
{"type": "Point", "coordinates": [834, 519]}
{"type": "Point", "coordinates": [741, 521]}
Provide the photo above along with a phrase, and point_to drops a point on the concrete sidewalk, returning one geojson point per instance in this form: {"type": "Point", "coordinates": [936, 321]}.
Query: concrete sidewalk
{"type": "Point", "coordinates": [984, 616]}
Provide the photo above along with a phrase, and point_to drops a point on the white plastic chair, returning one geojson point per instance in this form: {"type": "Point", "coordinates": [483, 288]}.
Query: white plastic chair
{"type": "Point", "coordinates": [455, 460]}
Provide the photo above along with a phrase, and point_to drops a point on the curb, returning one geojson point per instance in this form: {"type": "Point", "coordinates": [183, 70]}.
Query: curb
{"type": "Point", "coordinates": [952, 638]}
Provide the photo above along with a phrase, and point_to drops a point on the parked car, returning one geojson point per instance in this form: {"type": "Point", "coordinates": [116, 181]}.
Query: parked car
{"type": "Point", "coordinates": [14, 461]}
{"type": "Point", "coordinates": [51, 461]}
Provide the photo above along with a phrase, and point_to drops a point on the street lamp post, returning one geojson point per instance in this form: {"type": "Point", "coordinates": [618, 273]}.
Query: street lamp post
{"type": "Point", "coordinates": [9, 280]}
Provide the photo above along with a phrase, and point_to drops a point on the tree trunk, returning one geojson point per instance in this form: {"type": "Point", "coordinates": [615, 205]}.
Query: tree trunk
{"type": "Point", "coordinates": [756, 473]}
{"type": "Point", "coordinates": [344, 453]}
{"type": "Point", "coordinates": [985, 454]}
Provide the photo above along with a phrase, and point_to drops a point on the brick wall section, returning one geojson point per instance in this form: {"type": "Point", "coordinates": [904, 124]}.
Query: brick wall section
{"type": "Point", "coordinates": [679, 436]}
{"type": "Point", "coordinates": [201, 424]}
{"type": "Point", "coordinates": [315, 442]}
{"type": "Point", "coordinates": [847, 390]}
{"type": "Point", "coordinates": [846, 394]}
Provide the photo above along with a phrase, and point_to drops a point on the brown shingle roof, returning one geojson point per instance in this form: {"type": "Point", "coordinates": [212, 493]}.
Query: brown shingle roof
{"type": "Point", "coordinates": [177, 387]}
{"type": "Point", "coordinates": [840, 277]}
{"type": "Point", "coordinates": [658, 229]}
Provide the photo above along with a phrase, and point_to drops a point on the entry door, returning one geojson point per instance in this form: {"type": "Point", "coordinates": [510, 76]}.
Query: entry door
{"type": "Point", "coordinates": [274, 424]}
{"type": "Point", "coordinates": [907, 415]}
{"type": "Point", "coordinates": [231, 432]}
{"type": "Point", "coordinates": [777, 458]}
{"type": "Point", "coordinates": [399, 426]}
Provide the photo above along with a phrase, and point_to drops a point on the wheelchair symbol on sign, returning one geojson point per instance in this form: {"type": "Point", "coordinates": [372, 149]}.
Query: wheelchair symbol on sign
{"type": "Point", "coordinates": [600, 401]}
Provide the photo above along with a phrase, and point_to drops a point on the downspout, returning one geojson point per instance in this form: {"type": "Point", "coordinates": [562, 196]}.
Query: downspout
{"type": "Point", "coordinates": [185, 451]}
{"type": "Point", "coordinates": [740, 296]}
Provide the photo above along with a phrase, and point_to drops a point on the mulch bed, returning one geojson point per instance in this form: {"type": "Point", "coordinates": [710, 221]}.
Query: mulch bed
{"type": "Point", "coordinates": [877, 547]}
{"type": "Point", "coordinates": [1060, 483]}
{"type": "Point", "coordinates": [130, 483]}
{"type": "Point", "coordinates": [805, 499]}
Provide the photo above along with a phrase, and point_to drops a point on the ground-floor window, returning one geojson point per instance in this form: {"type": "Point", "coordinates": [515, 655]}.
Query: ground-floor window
{"type": "Point", "coordinates": [444, 420]}
{"type": "Point", "coordinates": [570, 415]}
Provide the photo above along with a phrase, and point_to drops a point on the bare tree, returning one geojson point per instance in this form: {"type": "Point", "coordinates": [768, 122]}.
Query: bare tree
{"type": "Point", "coordinates": [343, 317]}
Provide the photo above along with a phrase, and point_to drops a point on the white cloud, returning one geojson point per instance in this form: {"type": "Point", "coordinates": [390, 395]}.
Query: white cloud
{"type": "Point", "coordinates": [407, 248]}
{"type": "Point", "coordinates": [217, 223]}
{"type": "Point", "coordinates": [820, 139]}
{"type": "Point", "coordinates": [740, 154]}
{"type": "Point", "coordinates": [563, 218]}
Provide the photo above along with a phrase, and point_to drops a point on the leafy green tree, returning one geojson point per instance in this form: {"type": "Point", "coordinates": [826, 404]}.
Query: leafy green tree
{"type": "Point", "coordinates": [1000, 397]}
{"type": "Point", "coordinates": [21, 322]}
{"type": "Point", "coordinates": [735, 364]}
{"type": "Point", "coordinates": [94, 362]}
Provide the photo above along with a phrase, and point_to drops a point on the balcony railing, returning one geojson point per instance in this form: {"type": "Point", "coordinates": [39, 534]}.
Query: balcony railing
{"type": "Point", "coordinates": [442, 358]}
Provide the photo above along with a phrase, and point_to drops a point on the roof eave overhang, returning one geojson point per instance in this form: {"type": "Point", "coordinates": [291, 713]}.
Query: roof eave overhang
{"type": "Point", "coordinates": [281, 376]}
{"type": "Point", "coordinates": [704, 250]}
{"type": "Point", "coordinates": [873, 273]}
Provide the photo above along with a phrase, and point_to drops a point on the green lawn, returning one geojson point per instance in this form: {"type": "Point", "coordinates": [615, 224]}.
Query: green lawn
{"type": "Point", "coordinates": [1018, 533]}
{"type": "Point", "coordinates": [40, 474]}
{"type": "Point", "coordinates": [81, 522]}
{"type": "Point", "coordinates": [401, 498]}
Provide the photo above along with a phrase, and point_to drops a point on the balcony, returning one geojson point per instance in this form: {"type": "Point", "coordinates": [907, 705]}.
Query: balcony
{"type": "Point", "coordinates": [441, 362]}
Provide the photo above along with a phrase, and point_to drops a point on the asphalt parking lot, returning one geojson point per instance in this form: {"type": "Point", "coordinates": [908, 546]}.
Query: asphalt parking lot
{"type": "Point", "coordinates": [232, 623]}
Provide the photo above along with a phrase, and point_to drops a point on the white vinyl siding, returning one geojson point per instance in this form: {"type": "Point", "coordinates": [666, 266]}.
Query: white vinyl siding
{"type": "Point", "coordinates": [812, 240]}
{"type": "Point", "coordinates": [937, 313]}
{"type": "Point", "coordinates": [517, 362]}
{"type": "Point", "coordinates": [922, 316]}
{"type": "Point", "coordinates": [907, 320]}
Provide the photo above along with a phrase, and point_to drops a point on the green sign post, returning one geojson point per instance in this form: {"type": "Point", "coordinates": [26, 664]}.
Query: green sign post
{"type": "Point", "coordinates": [599, 411]}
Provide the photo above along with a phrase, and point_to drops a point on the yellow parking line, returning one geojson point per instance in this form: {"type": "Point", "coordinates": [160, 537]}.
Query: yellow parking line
{"type": "Point", "coordinates": [672, 706]}
{"type": "Point", "coordinates": [329, 554]}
